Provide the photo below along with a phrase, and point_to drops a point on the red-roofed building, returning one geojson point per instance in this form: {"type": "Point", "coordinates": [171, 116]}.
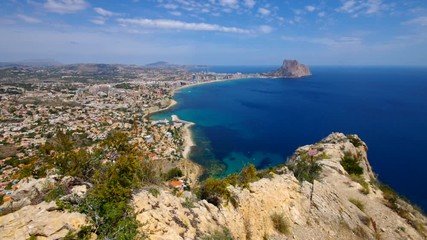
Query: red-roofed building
{"type": "Point", "coordinates": [177, 184]}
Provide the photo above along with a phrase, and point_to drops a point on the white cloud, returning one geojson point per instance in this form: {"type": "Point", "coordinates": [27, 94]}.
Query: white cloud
{"type": "Point", "coordinates": [265, 29]}
{"type": "Point", "coordinates": [179, 25]}
{"type": "Point", "coordinates": [264, 11]}
{"type": "Point", "coordinates": [170, 6]}
{"type": "Point", "coordinates": [420, 21]}
{"type": "Point", "coordinates": [104, 12]}
{"type": "Point", "coordinates": [175, 13]}
{"type": "Point", "coordinates": [28, 19]}
{"type": "Point", "coordinates": [230, 3]}
{"type": "Point", "coordinates": [98, 20]}
{"type": "Point", "coordinates": [310, 8]}
{"type": "Point", "coordinates": [321, 14]}
{"type": "Point", "coordinates": [334, 42]}
{"type": "Point", "coordinates": [249, 3]}
{"type": "Point", "coordinates": [357, 7]}
{"type": "Point", "coordinates": [65, 6]}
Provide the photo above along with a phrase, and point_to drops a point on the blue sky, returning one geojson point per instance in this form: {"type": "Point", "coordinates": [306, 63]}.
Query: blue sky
{"type": "Point", "coordinates": [216, 32]}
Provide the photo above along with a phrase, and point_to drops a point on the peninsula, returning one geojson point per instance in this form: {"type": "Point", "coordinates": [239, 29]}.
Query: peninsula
{"type": "Point", "coordinates": [290, 69]}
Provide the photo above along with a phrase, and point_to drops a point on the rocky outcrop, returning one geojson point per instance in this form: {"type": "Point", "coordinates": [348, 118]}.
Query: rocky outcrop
{"type": "Point", "coordinates": [290, 69]}
{"type": "Point", "coordinates": [31, 191]}
{"type": "Point", "coordinates": [332, 207]}
{"type": "Point", "coordinates": [43, 221]}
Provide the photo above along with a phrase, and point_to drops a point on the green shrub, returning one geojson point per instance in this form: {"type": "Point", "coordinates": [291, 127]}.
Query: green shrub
{"type": "Point", "coordinates": [355, 140]}
{"type": "Point", "coordinates": [247, 175]}
{"type": "Point", "coordinates": [83, 234]}
{"type": "Point", "coordinates": [225, 234]}
{"type": "Point", "coordinates": [214, 191]}
{"type": "Point", "coordinates": [154, 191]}
{"type": "Point", "coordinates": [306, 170]}
{"type": "Point", "coordinates": [173, 173]}
{"type": "Point", "coordinates": [280, 223]}
{"type": "Point", "coordinates": [232, 179]}
{"type": "Point", "coordinates": [55, 193]}
{"type": "Point", "coordinates": [351, 165]}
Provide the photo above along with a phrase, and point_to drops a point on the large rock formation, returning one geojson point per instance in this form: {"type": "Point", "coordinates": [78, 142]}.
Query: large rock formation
{"type": "Point", "coordinates": [332, 207]}
{"type": "Point", "coordinates": [290, 69]}
{"type": "Point", "coordinates": [44, 221]}
{"type": "Point", "coordinates": [335, 206]}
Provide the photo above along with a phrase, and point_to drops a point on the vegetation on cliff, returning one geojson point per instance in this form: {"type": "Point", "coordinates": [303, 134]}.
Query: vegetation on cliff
{"type": "Point", "coordinates": [114, 168]}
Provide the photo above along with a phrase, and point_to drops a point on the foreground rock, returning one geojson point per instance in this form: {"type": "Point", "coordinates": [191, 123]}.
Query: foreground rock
{"type": "Point", "coordinates": [290, 69]}
{"type": "Point", "coordinates": [332, 207]}
{"type": "Point", "coordinates": [43, 221]}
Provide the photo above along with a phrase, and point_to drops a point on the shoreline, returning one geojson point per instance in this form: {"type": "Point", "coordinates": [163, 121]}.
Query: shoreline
{"type": "Point", "coordinates": [207, 82]}
{"type": "Point", "coordinates": [195, 168]}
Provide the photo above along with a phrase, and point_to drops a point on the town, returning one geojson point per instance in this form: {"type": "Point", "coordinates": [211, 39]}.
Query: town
{"type": "Point", "coordinates": [88, 101]}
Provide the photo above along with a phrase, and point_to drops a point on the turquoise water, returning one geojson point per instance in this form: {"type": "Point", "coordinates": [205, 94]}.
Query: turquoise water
{"type": "Point", "coordinates": [263, 121]}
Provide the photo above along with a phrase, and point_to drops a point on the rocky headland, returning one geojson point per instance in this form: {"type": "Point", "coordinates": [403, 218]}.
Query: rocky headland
{"type": "Point", "coordinates": [326, 190]}
{"type": "Point", "coordinates": [290, 69]}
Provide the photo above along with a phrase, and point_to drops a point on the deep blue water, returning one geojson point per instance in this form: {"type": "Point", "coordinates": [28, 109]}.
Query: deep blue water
{"type": "Point", "coordinates": [263, 121]}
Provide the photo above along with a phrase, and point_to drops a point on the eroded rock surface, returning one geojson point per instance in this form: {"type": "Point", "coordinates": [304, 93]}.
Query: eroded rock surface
{"type": "Point", "coordinates": [319, 210]}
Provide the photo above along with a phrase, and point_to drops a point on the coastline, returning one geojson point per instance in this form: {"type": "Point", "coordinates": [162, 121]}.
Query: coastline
{"type": "Point", "coordinates": [207, 82]}
{"type": "Point", "coordinates": [193, 170]}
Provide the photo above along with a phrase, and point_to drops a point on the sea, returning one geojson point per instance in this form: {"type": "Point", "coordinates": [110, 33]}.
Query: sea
{"type": "Point", "coordinates": [263, 121]}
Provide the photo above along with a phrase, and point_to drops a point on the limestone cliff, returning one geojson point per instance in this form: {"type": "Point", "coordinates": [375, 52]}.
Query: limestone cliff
{"type": "Point", "coordinates": [332, 207]}
{"type": "Point", "coordinates": [335, 205]}
{"type": "Point", "coordinates": [290, 69]}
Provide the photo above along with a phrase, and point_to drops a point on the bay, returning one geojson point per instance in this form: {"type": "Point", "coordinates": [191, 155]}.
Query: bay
{"type": "Point", "coordinates": [263, 121]}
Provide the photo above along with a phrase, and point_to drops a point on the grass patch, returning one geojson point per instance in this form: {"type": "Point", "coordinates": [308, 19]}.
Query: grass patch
{"type": "Point", "coordinates": [357, 203]}
{"type": "Point", "coordinates": [280, 223]}
{"type": "Point", "coordinates": [188, 203]}
{"type": "Point", "coordinates": [359, 179]}
{"type": "Point", "coordinates": [224, 234]}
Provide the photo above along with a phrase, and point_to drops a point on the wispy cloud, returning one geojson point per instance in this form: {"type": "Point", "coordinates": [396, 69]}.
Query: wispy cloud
{"type": "Point", "coordinates": [28, 19]}
{"type": "Point", "coordinates": [358, 7]}
{"type": "Point", "coordinates": [65, 6]}
{"type": "Point", "coordinates": [229, 3]}
{"type": "Point", "coordinates": [328, 41]}
{"type": "Point", "coordinates": [264, 11]}
{"type": "Point", "coordinates": [265, 29]}
{"type": "Point", "coordinates": [104, 15]}
{"type": "Point", "coordinates": [180, 25]}
{"type": "Point", "coordinates": [419, 21]}
{"type": "Point", "coordinates": [99, 20]}
{"type": "Point", "coordinates": [249, 3]}
{"type": "Point", "coordinates": [104, 12]}
{"type": "Point", "coordinates": [310, 8]}
{"type": "Point", "coordinates": [175, 13]}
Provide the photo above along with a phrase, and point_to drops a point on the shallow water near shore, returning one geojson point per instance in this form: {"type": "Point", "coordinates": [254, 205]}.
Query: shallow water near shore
{"type": "Point", "coordinates": [263, 121]}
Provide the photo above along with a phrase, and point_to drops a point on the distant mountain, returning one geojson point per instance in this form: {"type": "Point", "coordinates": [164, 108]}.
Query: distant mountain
{"type": "Point", "coordinates": [160, 64]}
{"type": "Point", "coordinates": [290, 69]}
